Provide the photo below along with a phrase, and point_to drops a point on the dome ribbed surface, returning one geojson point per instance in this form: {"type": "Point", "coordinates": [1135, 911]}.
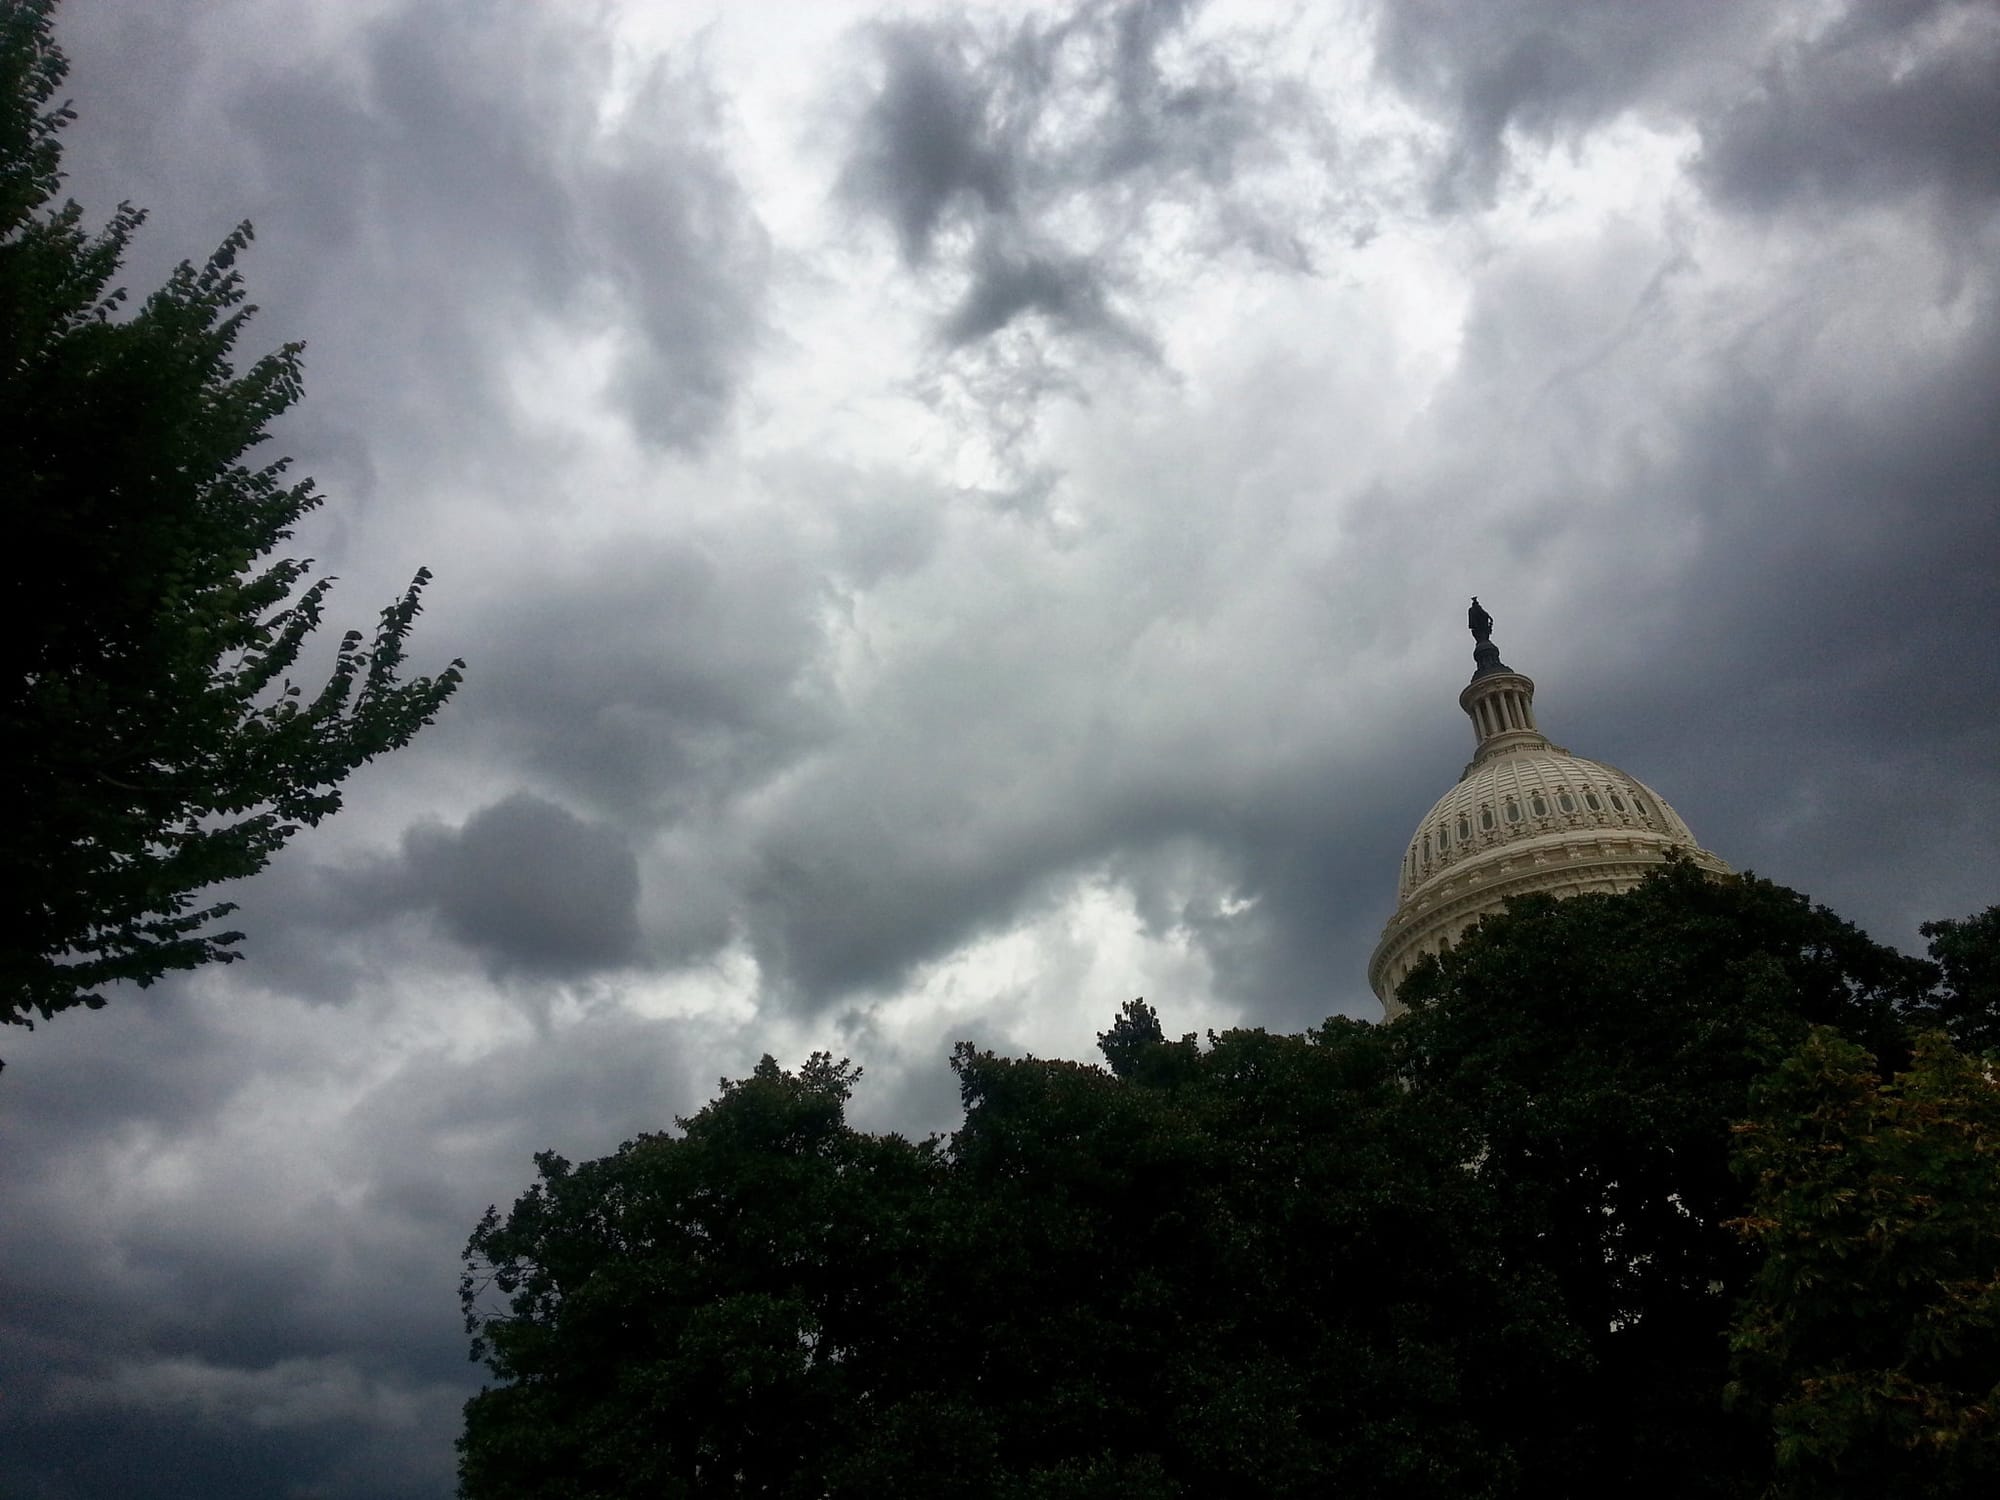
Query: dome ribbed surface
{"type": "Point", "coordinates": [1531, 798]}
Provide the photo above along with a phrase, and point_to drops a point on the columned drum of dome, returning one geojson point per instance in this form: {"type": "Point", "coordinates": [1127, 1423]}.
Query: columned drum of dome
{"type": "Point", "coordinates": [1526, 817]}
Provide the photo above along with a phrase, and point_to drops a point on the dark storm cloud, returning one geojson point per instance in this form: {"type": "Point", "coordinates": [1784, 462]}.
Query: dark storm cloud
{"type": "Point", "coordinates": [927, 145]}
{"type": "Point", "coordinates": [1830, 726]}
{"type": "Point", "coordinates": [535, 891]}
{"type": "Point", "coordinates": [1068, 293]}
{"type": "Point", "coordinates": [1322, 886]}
{"type": "Point", "coordinates": [657, 679]}
{"type": "Point", "coordinates": [1027, 159]}
{"type": "Point", "coordinates": [829, 927]}
{"type": "Point", "coordinates": [1875, 100]}
{"type": "Point", "coordinates": [530, 885]}
{"type": "Point", "coordinates": [1547, 69]}
{"type": "Point", "coordinates": [886, 858]}
{"type": "Point", "coordinates": [164, 1430]}
{"type": "Point", "coordinates": [442, 178]}
{"type": "Point", "coordinates": [884, 862]}
{"type": "Point", "coordinates": [1892, 100]}
{"type": "Point", "coordinates": [234, 1303]}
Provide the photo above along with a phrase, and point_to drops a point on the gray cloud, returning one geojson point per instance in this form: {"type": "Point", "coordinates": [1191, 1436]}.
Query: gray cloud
{"type": "Point", "coordinates": [927, 146]}
{"type": "Point", "coordinates": [529, 892]}
{"type": "Point", "coordinates": [686, 260]}
{"type": "Point", "coordinates": [1068, 294]}
{"type": "Point", "coordinates": [283, 1323]}
{"type": "Point", "coordinates": [440, 180]}
{"type": "Point", "coordinates": [1865, 101]}
{"type": "Point", "coordinates": [1549, 69]}
{"type": "Point", "coordinates": [286, 1395]}
{"type": "Point", "coordinates": [657, 678]}
{"type": "Point", "coordinates": [1035, 159]}
{"type": "Point", "coordinates": [1893, 100]}
{"type": "Point", "coordinates": [530, 885]}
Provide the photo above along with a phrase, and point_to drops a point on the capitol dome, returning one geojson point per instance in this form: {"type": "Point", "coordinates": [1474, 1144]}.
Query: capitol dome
{"type": "Point", "coordinates": [1526, 816]}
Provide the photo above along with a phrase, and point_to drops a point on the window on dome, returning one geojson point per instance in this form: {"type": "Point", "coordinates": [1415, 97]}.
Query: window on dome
{"type": "Point", "coordinates": [1486, 818]}
{"type": "Point", "coordinates": [1617, 802]}
{"type": "Point", "coordinates": [1639, 805]}
{"type": "Point", "coordinates": [1590, 801]}
{"type": "Point", "coordinates": [1465, 830]}
{"type": "Point", "coordinates": [1566, 802]}
{"type": "Point", "coordinates": [1537, 806]}
{"type": "Point", "coordinates": [1444, 837]}
{"type": "Point", "coordinates": [1427, 848]}
{"type": "Point", "coordinates": [1513, 811]}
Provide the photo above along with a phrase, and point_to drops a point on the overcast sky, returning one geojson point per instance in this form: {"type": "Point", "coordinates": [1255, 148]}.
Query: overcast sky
{"type": "Point", "coordinates": [959, 517]}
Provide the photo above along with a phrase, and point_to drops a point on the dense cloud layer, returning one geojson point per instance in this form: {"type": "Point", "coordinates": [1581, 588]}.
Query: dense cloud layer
{"type": "Point", "coordinates": [1888, 103]}
{"type": "Point", "coordinates": [1041, 172]}
{"type": "Point", "coordinates": [1539, 72]}
{"type": "Point", "coordinates": [960, 517]}
{"type": "Point", "coordinates": [1031, 153]}
{"type": "Point", "coordinates": [528, 884]}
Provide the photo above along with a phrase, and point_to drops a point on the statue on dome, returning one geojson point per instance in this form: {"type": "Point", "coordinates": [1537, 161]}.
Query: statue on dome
{"type": "Point", "coordinates": [1478, 621]}
{"type": "Point", "coordinates": [1485, 655]}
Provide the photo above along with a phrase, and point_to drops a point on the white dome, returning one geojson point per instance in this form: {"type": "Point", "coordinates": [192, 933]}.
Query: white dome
{"type": "Point", "coordinates": [1529, 799]}
{"type": "Point", "coordinates": [1525, 817]}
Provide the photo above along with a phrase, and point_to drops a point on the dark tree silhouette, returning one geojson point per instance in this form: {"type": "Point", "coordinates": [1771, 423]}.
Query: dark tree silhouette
{"type": "Point", "coordinates": [1257, 1267]}
{"type": "Point", "coordinates": [1604, 1048]}
{"type": "Point", "coordinates": [1870, 1342]}
{"type": "Point", "coordinates": [1497, 1247]}
{"type": "Point", "coordinates": [1967, 952]}
{"type": "Point", "coordinates": [152, 740]}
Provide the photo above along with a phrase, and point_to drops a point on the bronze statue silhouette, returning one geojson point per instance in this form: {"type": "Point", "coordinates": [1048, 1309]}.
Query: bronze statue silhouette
{"type": "Point", "coordinates": [1478, 621]}
{"type": "Point", "coordinates": [1485, 655]}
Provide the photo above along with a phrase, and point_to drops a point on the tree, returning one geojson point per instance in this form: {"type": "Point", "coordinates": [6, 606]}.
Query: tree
{"type": "Point", "coordinates": [1258, 1267]}
{"type": "Point", "coordinates": [1870, 1342]}
{"type": "Point", "coordinates": [710, 1314]}
{"type": "Point", "coordinates": [153, 740]}
{"type": "Point", "coordinates": [1492, 1248]}
{"type": "Point", "coordinates": [1967, 953]}
{"type": "Point", "coordinates": [1603, 1048]}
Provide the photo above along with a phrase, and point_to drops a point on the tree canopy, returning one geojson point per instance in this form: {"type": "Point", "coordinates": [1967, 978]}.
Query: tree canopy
{"type": "Point", "coordinates": [1870, 1341]}
{"type": "Point", "coordinates": [1605, 1046]}
{"type": "Point", "coordinates": [1102, 1285]}
{"type": "Point", "coordinates": [153, 740]}
{"type": "Point", "coordinates": [1540, 1236]}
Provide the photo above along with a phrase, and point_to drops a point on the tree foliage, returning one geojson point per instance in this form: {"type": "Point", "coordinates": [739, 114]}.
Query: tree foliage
{"type": "Point", "coordinates": [154, 739]}
{"type": "Point", "coordinates": [1259, 1266]}
{"type": "Point", "coordinates": [1495, 1248]}
{"type": "Point", "coordinates": [1604, 1047]}
{"type": "Point", "coordinates": [1870, 1342]}
{"type": "Point", "coordinates": [1096, 1287]}
{"type": "Point", "coordinates": [737, 1276]}
{"type": "Point", "coordinates": [1966, 1004]}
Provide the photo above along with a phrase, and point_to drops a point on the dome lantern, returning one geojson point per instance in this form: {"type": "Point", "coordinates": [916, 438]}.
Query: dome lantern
{"type": "Point", "coordinates": [1499, 701]}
